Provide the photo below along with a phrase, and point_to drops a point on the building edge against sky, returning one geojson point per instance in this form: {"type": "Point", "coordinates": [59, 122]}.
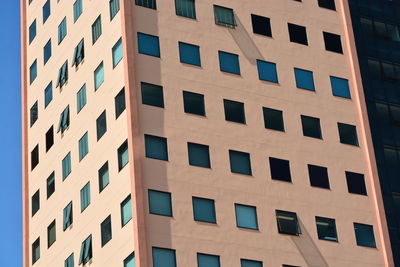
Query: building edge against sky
{"type": "Point", "coordinates": [150, 234]}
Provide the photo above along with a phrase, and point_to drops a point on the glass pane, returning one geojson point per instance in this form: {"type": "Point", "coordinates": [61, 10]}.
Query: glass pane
{"type": "Point", "coordinates": [229, 62]}
{"type": "Point", "coordinates": [189, 54]}
{"type": "Point", "coordinates": [160, 203]}
{"type": "Point", "coordinates": [340, 87]}
{"type": "Point", "coordinates": [287, 222]}
{"type": "Point", "coordinates": [117, 52]}
{"type": "Point", "coordinates": [205, 260]}
{"type": "Point", "coordinates": [304, 79]}
{"type": "Point", "coordinates": [163, 257]}
{"type": "Point", "coordinates": [156, 147]}
{"type": "Point", "coordinates": [326, 229]}
{"type": "Point", "coordinates": [273, 119]}
{"type": "Point", "coordinates": [246, 216]}
{"type": "Point", "coordinates": [126, 210]}
{"type": "Point", "coordinates": [364, 235]}
{"type": "Point", "coordinates": [199, 155]}
{"type": "Point", "coordinates": [234, 111]}
{"type": "Point", "coordinates": [240, 162]}
{"type": "Point", "coordinates": [267, 71]}
{"type": "Point", "coordinates": [224, 16]}
{"type": "Point", "coordinates": [152, 95]}
{"type": "Point", "coordinates": [185, 8]}
{"type": "Point", "coordinates": [99, 76]}
{"type": "Point", "coordinates": [250, 263]}
{"type": "Point", "coordinates": [148, 44]}
{"type": "Point", "coordinates": [280, 169]}
{"type": "Point", "coordinates": [204, 210]}
{"type": "Point", "coordinates": [194, 103]}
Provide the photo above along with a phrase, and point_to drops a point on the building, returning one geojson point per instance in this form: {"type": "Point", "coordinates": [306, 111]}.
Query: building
{"type": "Point", "coordinates": [206, 133]}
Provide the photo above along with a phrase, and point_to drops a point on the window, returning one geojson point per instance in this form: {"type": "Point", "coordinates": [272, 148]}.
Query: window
{"type": "Point", "coordinates": [224, 16]}
{"type": "Point", "coordinates": [126, 210]}
{"type": "Point", "coordinates": [49, 138]}
{"type": "Point", "coordinates": [130, 260]}
{"type": "Point", "coordinates": [101, 125]}
{"type": "Point", "coordinates": [304, 79]}
{"type": "Point", "coordinates": [273, 119]}
{"type": "Point", "coordinates": [35, 202]}
{"type": "Point", "coordinates": [114, 8]}
{"type": "Point", "coordinates": [267, 71]}
{"type": "Point", "coordinates": [123, 155]}
{"type": "Point", "coordinates": [32, 31]}
{"type": "Point", "coordinates": [66, 166]}
{"type": "Point", "coordinates": [287, 222]}
{"type": "Point", "coordinates": [86, 251]}
{"type": "Point", "coordinates": [96, 29]}
{"type": "Point", "coordinates": [204, 210]}
{"type": "Point", "coordinates": [388, 71]}
{"type": "Point", "coordinates": [62, 30]}
{"type": "Point", "coordinates": [207, 260]}
{"type": "Point", "coordinates": [160, 203]}
{"type": "Point", "coordinates": [189, 54]}
{"type": "Point", "coordinates": [392, 156]}
{"type": "Point", "coordinates": [83, 146]}
{"type": "Point", "coordinates": [119, 103]}
{"type": "Point", "coordinates": [388, 112]}
{"type": "Point", "coordinates": [156, 147]}
{"type": "Point", "coordinates": [318, 176]}
{"type": "Point", "coordinates": [33, 72]}
{"type": "Point", "coordinates": [333, 42]}
{"type": "Point", "coordinates": [199, 155]}
{"type": "Point", "coordinates": [348, 134]}
{"type": "Point", "coordinates": [261, 25]}
{"type": "Point", "coordinates": [364, 235]}
{"type": "Point", "coordinates": [46, 11]}
{"type": "Point", "coordinates": [35, 157]}
{"type": "Point", "coordinates": [280, 169]}
{"type": "Point", "coordinates": [99, 76]}
{"type": "Point", "coordinates": [163, 257]}
{"type": "Point", "coordinates": [85, 196]}
{"type": "Point", "coordinates": [77, 9]}
{"type": "Point", "coordinates": [380, 29]}
{"type": "Point", "coordinates": [147, 3]}
{"type": "Point", "coordinates": [36, 250]}
{"type": "Point", "coordinates": [250, 263]}
{"type": "Point", "coordinates": [229, 62]}
{"type": "Point", "coordinates": [104, 176]}
{"type": "Point", "coordinates": [51, 185]}
{"type": "Point", "coordinates": [67, 216]}
{"type": "Point", "coordinates": [79, 54]}
{"type": "Point", "coordinates": [326, 229]}
{"type": "Point", "coordinates": [69, 262]}
{"type": "Point", "coordinates": [246, 216]}
{"type": "Point", "coordinates": [340, 87]}
{"type": "Point", "coordinates": [311, 127]}
{"type": "Point", "coordinates": [356, 183]}
{"type": "Point", "coordinates": [81, 98]}
{"type": "Point", "coordinates": [62, 77]}
{"type": "Point", "coordinates": [152, 94]}
{"type": "Point", "coordinates": [297, 34]}
{"type": "Point", "coordinates": [48, 94]}
{"type": "Point", "coordinates": [34, 113]}
{"type": "Point", "coordinates": [234, 111]}
{"type": "Point", "coordinates": [185, 8]}
{"type": "Point", "coordinates": [329, 4]}
{"type": "Point", "coordinates": [193, 103]}
{"type": "Point", "coordinates": [106, 232]}
{"type": "Point", "coordinates": [287, 265]}
{"type": "Point", "coordinates": [47, 52]}
{"type": "Point", "coordinates": [64, 120]}
{"type": "Point", "coordinates": [148, 44]}
{"type": "Point", "coordinates": [240, 162]}
{"type": "Point", "coordinates": [51, 234]}
{"type": "Point", "coordinates": [117, 52]}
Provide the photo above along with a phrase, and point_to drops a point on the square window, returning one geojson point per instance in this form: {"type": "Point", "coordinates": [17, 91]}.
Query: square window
{"type": "Point", "coordinates": [69, 262]}
{"type": "Point", "coordinates": [152, 95]}
{"type": "Point", "coordinates": [280, 169]}
{"type": "Point", "coordinates": [33, 72]}
{"type": "Point", "coordinates": [77, 9]}
{"type": "Point", "coordinates": [66, 166]}
{"type": "Point", "coordinates": [156, 147]}
{"type": "Point", "coordinates": [34, 113]}
{"type": "Point", "coordinates": [47, 52]}
{"type": "Point", "coordinates": [194, 103]}
{"type": "Point", "coordinates": [68, 216]}
{"type": "Point", "coordinates": [106, 232]}
{"type": "Point", "coordinates": [348, 134]}
{"type": "Point", "coordinates": [35, 157]}
{"type": "Point", "coordinates": [119, 103]}
{"type": "Point", "coordinates": [85, 197]}
{"type": "Point", "coordinates": [250, 263]}
{"type": "Point", "coordinates": [287, 222]}
{"type": "Point", "coordinates": [246, 216]}
{"type": "Point", "coordinates": [364, 235]}
{"type": "Point", "coordinates": [234, 111]}
{"type": "Point", "coordinates": [273, 119]}
{"type": "Point", "coordinates": [104, 176]}
{"type": "Point", "coordinates": [130, 260]}
{"type": "Point", "coordinates": [333, 42]}
{"type": "Point", "coordinates": [117, 53]}
{"type": "Point", "coordinates": [356, 183]}
{"type": "Point", "coordinates": [49, 138]}
{"type": "Point", "coordinates": [83, 146]}
{"type": "Point", "coordinates": [311, 127]}
{"type": "Point", "coordinates": [48, 94]}
{"type": "Point", "coordinates": [51, 185]}
{"type": "Point", "coordinates": [160, 203]}
{"type": "Point", "coordinates": [86, 251]}
{"type": "Point", "coordinates": [185, 8]}
{"type": "Point", "coordinates": [318, 176]}
{"type": "Point", "coordinates": [240, 162]}
{"type": "Point", "coordinates": [126, 211]}
{"type": "Point", "coordinates": [229, 62]}
{"type": "Point", "coordinates": [46, 11]}
{"type": "Point", "coordinates": [199, 155]}
{"type": "Point", "coordinates": [304, 79]}
{"type": "Point", "coordinates": [96, 29]}
{"type": "Point", "coordinates": [51, 234]}
{"type": "Point", "coordinates": [79, 53]}
{"type": "Point", "coordinates": [297, 34]}
{"type": "Point", "coordinates": [148, 44]}
{"type": "Point", "coordinates": [36, 250]}
{"type": "Point", "coordinates": [326, 229]}
{"type": "Point", "coordinates": [340, 87]}
{"type": "Point", "coordinates": [99, 76]}
{"type": "Point", "coordinates": [32, 31]}
{"type": "Point", "coordinates": [261, 25]}
{"type": "Point", "coordinates": [267, 71]}
{"type": "Point", "coordinates": [224, 16]}
{"type": "Point", "coordinates": [329, 4]}
{"type": "Point", "coordinates": [62, 30]}
{"type": "Point", "coordinates": [123, 155]}
{"type": "Point", "coordinates": [35, 202]}
{"type": "Point", "coordinates": [163, 257]}
{"type": "Point", "coordinates": [114, 8]}
{"type": "Point", "coordinates": [147, 3]}
{"type": "Point", "coordinates": [204, 210]}
{"type": "Point", "coordinates": [189, 54]}
{"type": "Point", "coordinates": [101, 125]}
{"type": "Point", "coordinates": [81, 98]}
{"type": "Point", "coordinates": [207, 260]}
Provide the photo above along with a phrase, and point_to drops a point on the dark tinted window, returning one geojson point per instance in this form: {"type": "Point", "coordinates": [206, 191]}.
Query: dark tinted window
{"type": "Point", "coordinates": [194, 103]}
{"type": "Point", "coordinates": [287, 222]}
{"type": "Point", "coordinates": [348, 134]}
{"type": "Point", "coordinates": [297, 34]}
{"type": "Point", "coordinates": [273, 119]}
{"type": "Point", "coordinates": [280, 169]}
{"type": "Point", "coordinates": [156, 147]}
{"type": "Point", "coordinates": [261, 25]}
{"type": "Point", "coordinates": [364, 235]}
{"type": "Point", "coordinates": [199, 155]}
{"type": "Point", "coordinates": [329, 4]}
{"type": "Point", "coordinates": [49, 138]}
{"type": "Point", "coordinates": [326, 229]}
{"type": "Point", "coordinates": [333, 42]}
{"type": "Point", "coordinates": [240, 162]}
{"type": "Point", "coordinates": [35, 157]}
{"type": "Point", "coordinates": [152, 95]}
{"type": "Point", "coordinates": [234, 111]}
{"type": "Point", "coordinates": [356, 183]}
{"type": "Point", "coordinates": [318, 176]}
{"type": "Point", "coordinates": [311, 127]}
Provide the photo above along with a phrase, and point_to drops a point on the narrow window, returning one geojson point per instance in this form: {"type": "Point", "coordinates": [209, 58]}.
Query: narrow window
{"type": "Point", "coordinates": [273, 119]}
{"type": "Point", "coordinates": [99, 76]}
{"type": "Point", "coordinates": [280, 169]}
{"type": "Point", "coordinates": [123, 155]}
{"type": "Point", "coordinates": [62, 77]}
{"type": "Point", "coordinates": [69, 262]}
{"type": "Point", "coordinates": [348, 134]}
{"type": "Point", "coordinates": [130, 260]}
{"type": "Point", "coordinates": [304, 79]}
{"type": "Point", "coordinates": [148, 44]}
{"type": "Point", "coordinates": [48, 94]}
{"type": "Point", "coordinates": [126, 211]}
{"type": "Point", "coordinates": [287, 222]}
{"type": "Point", "coordinates": [119, 101]}
{"type": "Point", "coordinates": [356, 183]}
{"type": "Point", "coordinates": [311, 127]}
{"type": "Point", "coordinates": [83, 146]}
{"type": "Point", "coordinates": [152, 95]}
{"type": "Point", "coordinates": [33, 72]}
{"type": "Point", "coordinates": [156, 147]}
{"type": "Point", "coordinates": [86, 251]}
{"type": "Point", "coordinates": [234, 111]}
{"type": "Point", "coordinates": [199, 155]}
{"type": "Point", "coordinates": [67, 216]}
{"type": "Point", "coordinates": [77, 9]}
{"type": "Point", "coordinates": [36, 250]}
{"type": "Point", "coordinates": [35, 202]}
{"type": "Point", "coordinates": [46, 11]}
{"type": "Point", "coordinates": [229, 62]}
{"type": "Point", "coordinates": [364, 235]}
{"type": "Point", "coordinates": [117, 52]}
{"type": "Point", "coordinates": [79, 53]}
{"type": "Point", "coordinates": [101, 125]}
{"type": "Point", "coordinates": [35, 157]}
{"type": "Point", "coordinates": [34, 113]}
{"type": "Point", "coordinates": [147, 3]}
{"type": "Point", "coordinates": [318, 176]}
{"type": "Point", "coordinates": [50, 185]}
{"type": "Point", "coordinates": [250, 263]}
{"type": "Point", "coordinates": [47, 52]}
{"type": "Point", "coordinates": [163, 257]}
{"type": "Point", "coordinates": [224, 16]}
{"type": "Point", "coordinates": [64, 120]}
{"type": "Point", "coordinates": [329, 4]}
{"type": "Point", "coordinates": [207, 260]}
{"type": "Point", "coordinates": [185, 8]}
{"type": "Point", "coordinates": [81, 98]}
{"type": "Point", "coordinates": [51, 234]}
{"type": "Point", "coordinates": [194, 103]}
{"type": "Point", "coordinates": [62, 30]}
{"type": "Point", "coordinates": [106, 232]}
{"type": "Point", "coordinates": [85, 196]}
{"type": "Point", "coordinates": [240, 162]}
{"type": "Point", "coordinates": [340, 87]}
{"type": "Point", "coordinates": [49, 138]}
{"type": "Point", "coordinates": [66, 166]}
{"type": "Point", "coordinates": [326, 229]}
{"type": "Point", "coordinates": [297, 34]}
{"type": "Point", "coordinates": [160, 203]}
{"type": "Point", "coordinates": [189, 54]}
{"type": "Point", "coordinates": [333, 42]}
{"type": "Point", "coordinates": [104, 176]}
{"type": "Point", "coordinates": [261, 25]}
{"type": "Point", "coordinates": [114, 8]}
{"type": "Point", "coordinates": [32, 31]}
{"type": "Point", "coordinates": [204, 210]}
{"type": "Point", "coordinates": [96, 29]}
{"type": "Point", "coordinates": [246, 216]}
{"type": "Point", "coordinates": [267, 71]}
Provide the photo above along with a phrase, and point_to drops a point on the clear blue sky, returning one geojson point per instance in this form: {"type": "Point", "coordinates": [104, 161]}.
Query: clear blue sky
{"type": "Point", "coordinates": [10, 136]}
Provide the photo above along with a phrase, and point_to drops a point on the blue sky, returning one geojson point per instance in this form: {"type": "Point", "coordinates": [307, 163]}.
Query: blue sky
{"type": "Point", "coordinates": [10, 135]}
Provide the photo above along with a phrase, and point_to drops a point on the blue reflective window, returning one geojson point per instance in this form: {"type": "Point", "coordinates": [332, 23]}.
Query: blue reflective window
{"type": "Point", "coordinates": [229, 62]}
{"type": "Point", "coordinates": [189, 54]}
{"type": "Point", "coordinates": [67, 216]}
{"type": "Point", "coordinates": [66, 166]}
{"type": "Point", "coordinates": [62, 30]}
{"type": "Point", "coordinates": [123, 155]}
{"type": "Point", "coordinates": [126, 210]}
{"type": "Point", "coordinates": [130, 261]}
{"type": "Point", "coordinates": [240, 162]}
{"type": "Point", "coordinates": [246, 216]}
{"type": "Point", "coordinates": [99, 76]}
{"type": "Point", "coordinates": [69, 262]}
{"type": "Point", "coordinates": [77, 9]}
{"type": "Point", "coordinates": [48, 94]}
{"type": "Point", "coordinates": [47, 51]}
{"type": "Point", "coordinates": [185, 8]}
{"type": "Point", "coordinates": [81, 98]}
{"type": "Point", "coordinates": [117, 53]}
{"type": "Point", "coordinates": [114, 8]}
{"type": "Point", "coordinates": [96, 29]}
{"type": "Point", "coordinates": [199, 155]}
{"type": "Point", "coordinates": [156, 147]}
{"type": "Point", "coordinates": [163, 257]}
{"type": "Point", "coordinates": [340, 87]}
{"type": "Point", "coordinates": [160, 203]}
{"type": "Point", "coordinates": [250, 263]}
{"type": "Point", "coordinates": [85, 196]}
{"type": "Point", "coordinates": [32, 31]}
{"type": "Point", "coordinates": [304, 79]}
{"type": "Point", "coordinates": [204, 210]}
{"type": "Point", "coordinates": [267, 71]}
{"type": "Point", "coordinates": [364, 235]}
{"type": "Point", "coordinates": [33, 72]}
{"type": "Point", "coordinates": [46, 11]}
{"type": "Point", "coordinates": [148, 44]}
{"type": "Point", "coordinates": [83, 146]}
{"type": "Point", "coordinates": [206, 260]}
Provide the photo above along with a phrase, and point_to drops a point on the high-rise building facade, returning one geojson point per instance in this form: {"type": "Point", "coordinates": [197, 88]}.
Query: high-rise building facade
{"type": "Point", "coordinates": [184, 133]}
